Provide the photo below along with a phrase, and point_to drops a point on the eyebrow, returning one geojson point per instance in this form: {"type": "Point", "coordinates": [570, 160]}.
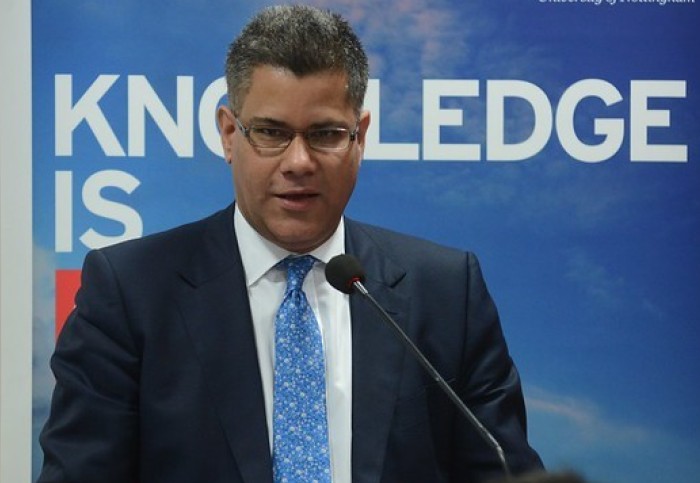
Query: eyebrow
{"type": "Point", "coordinates": [268, 121]}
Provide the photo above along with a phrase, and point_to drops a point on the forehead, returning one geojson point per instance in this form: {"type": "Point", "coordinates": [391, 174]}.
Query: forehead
{"type": "Point", "coordinates": [278, 93]}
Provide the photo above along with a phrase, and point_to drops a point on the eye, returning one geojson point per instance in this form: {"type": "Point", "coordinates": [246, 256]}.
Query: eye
{"type": "Point", "coordinates": [270, 133]}
{"type": "Point", "coordinates": [328, 137]}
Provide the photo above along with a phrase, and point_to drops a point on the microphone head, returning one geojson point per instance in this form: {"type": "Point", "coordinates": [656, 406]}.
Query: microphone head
{"type": "Point", "coordinates": [343, 271]}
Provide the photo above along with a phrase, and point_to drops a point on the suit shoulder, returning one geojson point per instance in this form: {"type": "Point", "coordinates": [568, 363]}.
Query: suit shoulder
{"type": "Point", "coordinates": [408, 247]}
{"type": "Point", "coordinates": [167, 246]}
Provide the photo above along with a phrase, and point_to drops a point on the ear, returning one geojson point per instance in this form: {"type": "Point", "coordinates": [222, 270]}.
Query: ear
{"type": "Point", "coordinates": [225, 119]}
{"type": "Point", "coordinates": [362, 127]}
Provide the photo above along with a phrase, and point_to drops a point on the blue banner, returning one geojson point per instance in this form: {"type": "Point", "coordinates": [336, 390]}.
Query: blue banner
{"type": "Point", "coordinates": [558, 139]}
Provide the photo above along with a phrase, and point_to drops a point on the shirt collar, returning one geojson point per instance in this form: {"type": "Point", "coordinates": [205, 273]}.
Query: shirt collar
{"type": "Point", "coordinates": [259, 254]}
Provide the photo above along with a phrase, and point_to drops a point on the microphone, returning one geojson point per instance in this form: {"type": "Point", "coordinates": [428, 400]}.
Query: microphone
{"type": "Point", "coordinates": [345, 273]}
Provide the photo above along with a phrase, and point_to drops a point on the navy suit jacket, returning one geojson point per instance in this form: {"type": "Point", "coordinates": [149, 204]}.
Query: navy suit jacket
{"type": "Point", "coordinates": [157, 376]}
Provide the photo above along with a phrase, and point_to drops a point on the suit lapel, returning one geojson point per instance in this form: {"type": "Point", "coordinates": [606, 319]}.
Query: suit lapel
{"type": "Point", "coordinates": [377, 357]}
{"type": "Point", "coordinates": [216, 312]}
{"type": "Point", "coordinates": [215, 306]}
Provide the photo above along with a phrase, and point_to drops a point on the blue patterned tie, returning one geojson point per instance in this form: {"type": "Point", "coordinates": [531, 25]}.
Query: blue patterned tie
{"type": "Point", "coordinates": [300, 448]}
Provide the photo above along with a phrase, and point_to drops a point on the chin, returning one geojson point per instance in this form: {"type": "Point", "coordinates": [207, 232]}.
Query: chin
{"type": "Point", "coordinates": [299, 243]}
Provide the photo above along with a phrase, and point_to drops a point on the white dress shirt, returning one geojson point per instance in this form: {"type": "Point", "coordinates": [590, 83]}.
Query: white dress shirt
{"type": "Point", "coordinates": [266, 285]}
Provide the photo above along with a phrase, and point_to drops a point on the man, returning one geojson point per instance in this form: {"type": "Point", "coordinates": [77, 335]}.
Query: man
{"type": "Point", "coordinates": [169, 369]}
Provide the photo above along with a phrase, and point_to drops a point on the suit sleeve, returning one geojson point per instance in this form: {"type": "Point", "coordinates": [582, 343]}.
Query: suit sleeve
{"type": "Point", "coordinates": [92, 431]}
{"type": "Point", "coordinates": [490, 386]}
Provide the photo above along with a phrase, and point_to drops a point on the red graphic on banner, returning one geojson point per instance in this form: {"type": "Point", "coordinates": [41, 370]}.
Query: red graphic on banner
{"type": "Point", "coordinates": [67, 284]}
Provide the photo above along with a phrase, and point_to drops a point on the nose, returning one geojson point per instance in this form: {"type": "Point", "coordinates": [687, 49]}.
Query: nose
{"type": "Point", "coordinates": [298, 157]}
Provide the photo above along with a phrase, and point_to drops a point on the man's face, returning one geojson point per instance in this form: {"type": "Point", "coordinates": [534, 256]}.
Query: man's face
{"type": "Point", "coordinates": [295, 198]}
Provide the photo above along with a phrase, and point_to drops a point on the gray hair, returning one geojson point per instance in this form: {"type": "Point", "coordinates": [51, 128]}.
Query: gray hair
{"type": "Point", "coordinates": [302, 39]}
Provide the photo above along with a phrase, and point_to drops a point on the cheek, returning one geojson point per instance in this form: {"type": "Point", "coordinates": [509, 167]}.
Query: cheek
{"type": "Point", "coordinates": [246, 181]}
{"type": "Point", "coordinates": [351, 172]}
{"type": "Point", "coordinates": [344, 183]}
{"type": "Point", "coordinates": [249, 175]}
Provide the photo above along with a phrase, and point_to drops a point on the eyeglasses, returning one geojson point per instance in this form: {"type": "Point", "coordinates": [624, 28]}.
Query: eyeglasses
{"type": "Point", "coordinates": [274, 140]}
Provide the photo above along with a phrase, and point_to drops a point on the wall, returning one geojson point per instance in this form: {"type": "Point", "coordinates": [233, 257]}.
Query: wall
{"type": "Point", "coordinates": [15, 243]}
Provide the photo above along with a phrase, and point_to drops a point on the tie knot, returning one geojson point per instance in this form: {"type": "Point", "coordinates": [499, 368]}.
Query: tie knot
{"type": "Point", "coordinates": [297, 269]}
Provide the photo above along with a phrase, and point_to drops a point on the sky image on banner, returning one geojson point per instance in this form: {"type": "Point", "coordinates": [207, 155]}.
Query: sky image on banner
{"type": "Point", "coordinates": [558, 140]}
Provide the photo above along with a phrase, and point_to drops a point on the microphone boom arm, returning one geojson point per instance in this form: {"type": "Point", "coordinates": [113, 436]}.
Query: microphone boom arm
{"type": "Point", "coordinates": [435, 375]}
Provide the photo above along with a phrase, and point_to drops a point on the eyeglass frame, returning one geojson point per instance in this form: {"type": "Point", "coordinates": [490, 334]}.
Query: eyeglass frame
{"type": "Point", "coordinates": [304, 132]}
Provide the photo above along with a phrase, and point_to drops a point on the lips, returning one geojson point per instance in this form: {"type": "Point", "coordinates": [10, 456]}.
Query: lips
{"type": "Point", "coordinates": [297, 196]}
{"type": "Point", "coordinates": [297, 200]}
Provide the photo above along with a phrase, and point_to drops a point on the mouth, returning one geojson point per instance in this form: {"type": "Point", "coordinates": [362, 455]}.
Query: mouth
{"type": "Point", "coordinates": [297, 201]}
{"type": "Point", "coordinates": [297, 196]}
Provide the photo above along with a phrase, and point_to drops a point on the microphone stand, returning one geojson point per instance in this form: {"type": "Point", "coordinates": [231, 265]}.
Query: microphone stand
{"type": "Point", "coordinates": [483, 432]}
